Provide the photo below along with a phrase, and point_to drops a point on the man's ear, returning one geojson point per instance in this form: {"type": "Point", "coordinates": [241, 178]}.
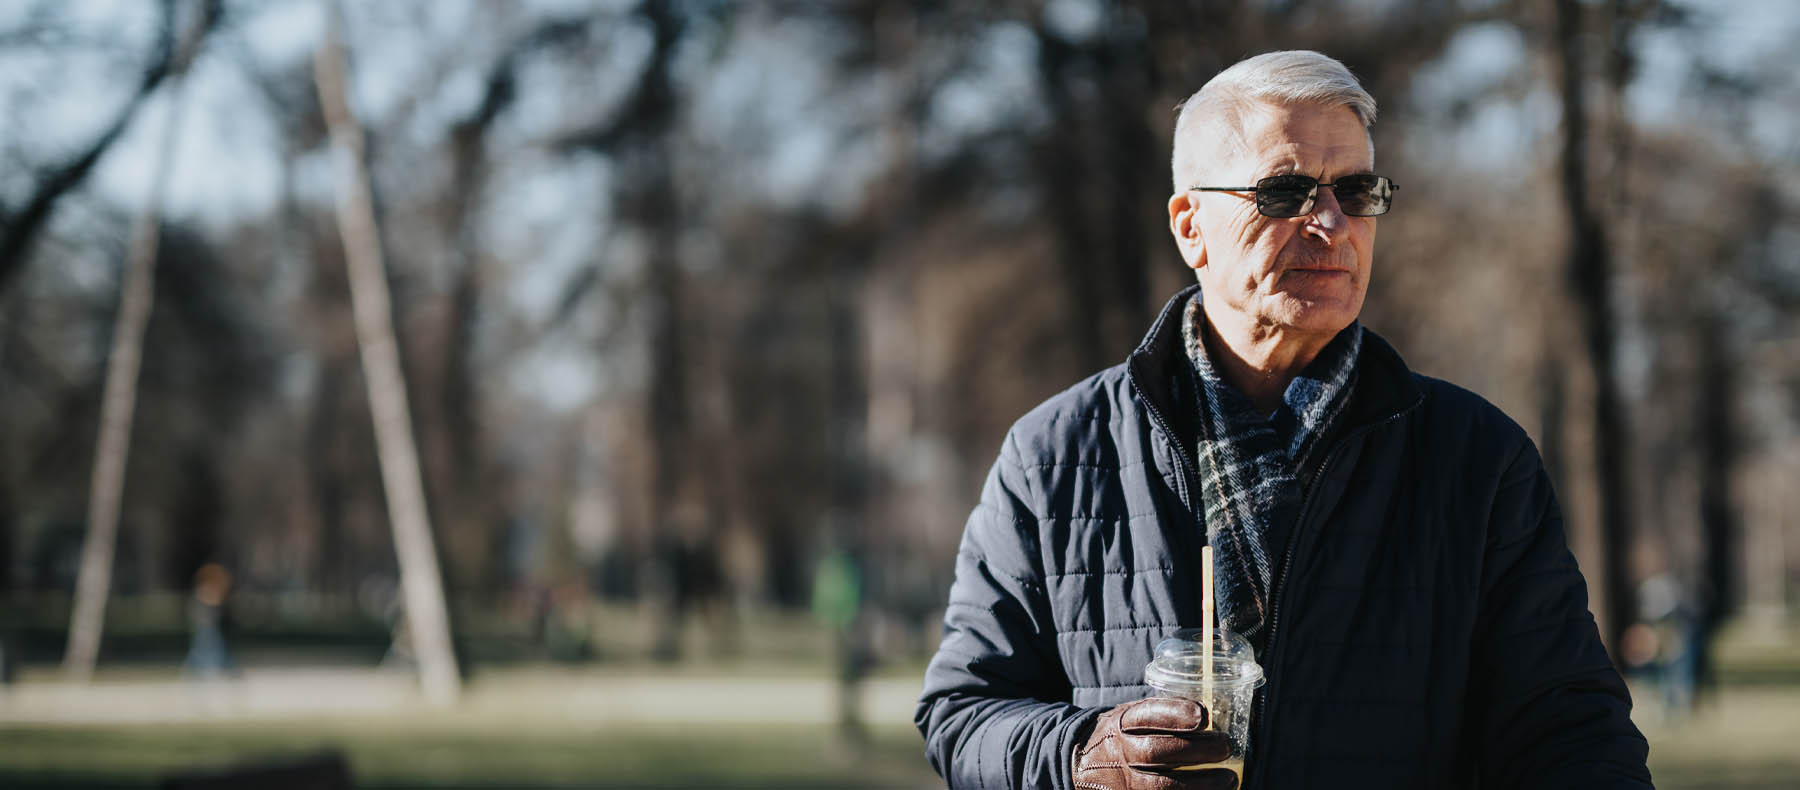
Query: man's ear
{"type": "Point", "coordinates": [1184, 226]}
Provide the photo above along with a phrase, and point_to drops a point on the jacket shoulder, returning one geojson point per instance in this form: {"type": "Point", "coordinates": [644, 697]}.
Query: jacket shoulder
{"type": "Point", "coordinates": [1079, 425]}
{"type": "Point", "coordinates": [1451, 413]}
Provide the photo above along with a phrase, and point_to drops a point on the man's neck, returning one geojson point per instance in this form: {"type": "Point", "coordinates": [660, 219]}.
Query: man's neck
{"type": "Point", "coordinates": [1260, 361]}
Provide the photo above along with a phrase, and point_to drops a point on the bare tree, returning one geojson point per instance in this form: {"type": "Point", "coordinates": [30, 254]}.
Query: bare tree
{"type": "Point", "coordinates": [427, 615]}
{"type": "Point", "coordinates": [19, 228]}
{"type": "Point", "coordinates": [136, 295]}
{"type": "Point", "coordinates": [639, 134]}
{"type": "Point", "coordinates": [1590, 276]}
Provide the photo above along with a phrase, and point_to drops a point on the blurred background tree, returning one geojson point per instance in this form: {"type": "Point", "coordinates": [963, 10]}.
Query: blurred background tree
{"type": "Point", "coordinates": [693, 295]}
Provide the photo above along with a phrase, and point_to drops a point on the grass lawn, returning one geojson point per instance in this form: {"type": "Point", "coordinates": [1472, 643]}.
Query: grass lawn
{"type": "Point", "coordinates": [637, 727]}
{"type": "Point", "coordinates": [1747, 739]}
{"type": "Point", "coordinates": [419, 752]}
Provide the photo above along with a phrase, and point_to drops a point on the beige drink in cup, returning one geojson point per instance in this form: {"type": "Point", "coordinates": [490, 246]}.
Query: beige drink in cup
{"type": "Point", "coordinates": [1180, 670]}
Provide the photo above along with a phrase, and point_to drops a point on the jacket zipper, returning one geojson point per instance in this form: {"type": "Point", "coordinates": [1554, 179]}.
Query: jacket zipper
{"type": "Point", "coordinates": [1287, 560]}
{"type": "Point", "coordinates": [1190, 475]}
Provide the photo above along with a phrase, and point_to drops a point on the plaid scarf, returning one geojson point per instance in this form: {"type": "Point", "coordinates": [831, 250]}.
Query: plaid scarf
{"type": "Point", "coordinates": [1250, 465]}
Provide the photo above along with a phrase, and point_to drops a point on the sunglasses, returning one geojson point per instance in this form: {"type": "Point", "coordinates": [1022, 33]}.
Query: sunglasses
{"type": "Point", "coordinates": [1292, 195]}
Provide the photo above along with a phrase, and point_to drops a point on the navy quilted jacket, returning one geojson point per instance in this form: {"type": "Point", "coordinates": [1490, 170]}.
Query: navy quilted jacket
{"type": "Point", "coordinates": [1430, 628]}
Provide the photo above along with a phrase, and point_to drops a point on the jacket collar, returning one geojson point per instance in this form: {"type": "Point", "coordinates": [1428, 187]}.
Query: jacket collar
{"type": "Point", "coordinates": [1159, 370]}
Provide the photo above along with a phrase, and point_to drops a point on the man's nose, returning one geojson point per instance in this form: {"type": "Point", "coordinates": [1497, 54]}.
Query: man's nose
{"type": "Point", "coordinates": [1327, 220]}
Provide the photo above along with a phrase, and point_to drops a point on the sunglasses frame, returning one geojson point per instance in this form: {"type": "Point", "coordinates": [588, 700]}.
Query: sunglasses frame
{"type": "Point", "coordinates": [1312, 195]}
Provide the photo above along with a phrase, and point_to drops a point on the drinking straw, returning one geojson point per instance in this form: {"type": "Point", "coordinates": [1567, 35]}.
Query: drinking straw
{"type": "Point", "coordinates": [1206, 627]}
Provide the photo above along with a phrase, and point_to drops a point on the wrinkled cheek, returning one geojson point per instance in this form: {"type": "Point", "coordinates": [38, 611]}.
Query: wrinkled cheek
{"type": "Point", "coordinates": [1254, 236]}
{"type": "Point", "coordinates": [1265, 284]}
{"type": "Point", "coordinates": [1265, 276]}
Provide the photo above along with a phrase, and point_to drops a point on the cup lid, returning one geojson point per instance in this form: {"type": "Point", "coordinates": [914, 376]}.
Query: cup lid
{"type": "Point", "coordinates": [1191, 641]}
{"type": "Point", "coordinates": [1181, 659]}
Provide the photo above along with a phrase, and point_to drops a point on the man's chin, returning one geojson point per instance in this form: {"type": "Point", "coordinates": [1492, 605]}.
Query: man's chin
{"type": "Point", "coordinates": [1316, 315]}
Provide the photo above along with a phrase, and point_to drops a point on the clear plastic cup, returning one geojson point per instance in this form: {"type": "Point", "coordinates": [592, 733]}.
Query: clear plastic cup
{"type": "Point", "coordinates": [1178, 671]}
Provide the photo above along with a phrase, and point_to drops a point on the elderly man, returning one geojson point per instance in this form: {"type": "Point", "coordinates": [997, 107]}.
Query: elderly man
{"type": "Point", "coordinates": [1389, 543]}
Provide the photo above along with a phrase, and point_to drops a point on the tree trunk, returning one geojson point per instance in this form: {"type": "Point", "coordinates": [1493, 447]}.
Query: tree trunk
{"type": "Point", "coordinates": [676, 550]}
{"type": "Point", "coordinates": [1552, 416]}
{"type": "Point", "coordinates": [426, 612]}
{"type": "Point", "coordinates": [1066, 166]}
{"type": "Point", "coordinates": [1590, 274]}
{"type": "Point", "coordinates": [668, 429]}
{"type": "Point", "coordinates": [849, 476]}
{"type": "Point", "coordinates": [9, 507]}
{"type": "Point", "coordinates": [1765, 549]}
{"type": "Point", "coordinates": [137, 291]}
{"type": "Point", "coordinates": [1718, 457]}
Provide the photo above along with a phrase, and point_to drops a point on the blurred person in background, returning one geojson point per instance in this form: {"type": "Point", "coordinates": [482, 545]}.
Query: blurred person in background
{"type": "Point", "coordinates": [209, 623]}
{"type": "Point", "coordinates": [1388, 542]}
{"type": "Point", "coordinates": [1669, 623]}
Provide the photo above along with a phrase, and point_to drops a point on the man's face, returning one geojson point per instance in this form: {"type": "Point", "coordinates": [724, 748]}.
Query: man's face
{"type": "Point", "coordinates": [1303, 274]}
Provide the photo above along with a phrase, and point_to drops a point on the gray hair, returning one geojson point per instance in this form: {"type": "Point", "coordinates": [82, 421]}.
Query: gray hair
{"type": "Point", "coordinates": [1209, 128]}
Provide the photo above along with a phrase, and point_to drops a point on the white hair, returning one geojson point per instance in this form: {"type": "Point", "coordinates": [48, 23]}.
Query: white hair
{"type": "Point", "coordinates": [1209, 130]}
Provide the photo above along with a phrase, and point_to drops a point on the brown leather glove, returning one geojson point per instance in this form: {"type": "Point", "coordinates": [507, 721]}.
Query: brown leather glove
{"type": "Point", "coordinates": [1138, 746]}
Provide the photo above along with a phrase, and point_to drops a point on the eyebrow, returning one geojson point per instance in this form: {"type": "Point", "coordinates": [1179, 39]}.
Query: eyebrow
{"type": "Point", "coordinates": [1292, 171]}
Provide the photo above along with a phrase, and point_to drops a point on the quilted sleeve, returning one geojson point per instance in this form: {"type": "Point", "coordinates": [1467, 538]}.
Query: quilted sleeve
{"type": "Point", "coordinates": [995, 710]}
{"type": "Point", "coordinates": [1551, 709]}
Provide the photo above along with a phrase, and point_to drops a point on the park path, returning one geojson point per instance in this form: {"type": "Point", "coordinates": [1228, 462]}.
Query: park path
{"type": "Point", "coordinates": [577, 695]}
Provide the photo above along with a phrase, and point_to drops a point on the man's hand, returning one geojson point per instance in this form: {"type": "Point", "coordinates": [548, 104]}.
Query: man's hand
{"type": "Point", "coordinates": [1139, 745]}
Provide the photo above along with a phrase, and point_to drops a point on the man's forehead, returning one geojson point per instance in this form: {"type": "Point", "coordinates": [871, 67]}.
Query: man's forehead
{"type": "Point", "coordinates": [1307, 138]}
{"type": "Point", "coordinates": [1294, 157]}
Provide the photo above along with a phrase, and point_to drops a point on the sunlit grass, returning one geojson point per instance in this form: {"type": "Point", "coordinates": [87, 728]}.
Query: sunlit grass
{"type": "Point", "coordinates": [421, 752]}
{"type": "Point", "coordinates": [634, 723]}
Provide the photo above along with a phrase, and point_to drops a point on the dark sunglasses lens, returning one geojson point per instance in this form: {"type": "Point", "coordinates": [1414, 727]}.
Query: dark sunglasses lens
{"type": "Point", "coordinates": [1364, 195]}
{"type": "Point", "coordinates": [1285, 196]}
